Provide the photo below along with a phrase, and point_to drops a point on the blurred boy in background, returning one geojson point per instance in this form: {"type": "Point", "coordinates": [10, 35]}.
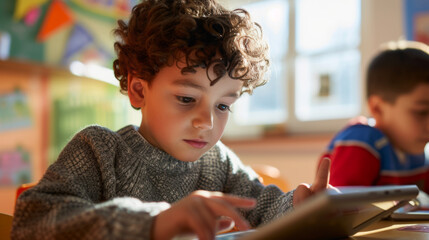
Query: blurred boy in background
{"type": "Point", "coordinates": [390, 150]}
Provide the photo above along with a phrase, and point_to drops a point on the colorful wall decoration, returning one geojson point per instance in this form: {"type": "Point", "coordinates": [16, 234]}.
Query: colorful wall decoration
{"type": "Point", "coordinates": [15, 167]}
{"type": "Point", "coordinates": [58, 32]}
{"type": "Point", "coordinates": [23, 115]}
{"type": "Point", "coordinates": [417, 20]}
{"type": "Point", "coordinates": [15, 112]}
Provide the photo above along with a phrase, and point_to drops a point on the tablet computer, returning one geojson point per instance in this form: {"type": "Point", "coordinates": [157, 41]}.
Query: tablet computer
{"type": "Point", "coordinates": [402, 214]}
{"type": "Point", "coordinates": [418, 209]}
{"type": "Point", "coordinates": [333, 214]}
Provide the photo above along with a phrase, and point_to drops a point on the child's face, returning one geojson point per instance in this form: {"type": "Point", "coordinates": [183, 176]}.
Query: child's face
{"type": "Point", "coordinates": [406, 122]}
{"type": "Point", "coordinates": [182, 114]}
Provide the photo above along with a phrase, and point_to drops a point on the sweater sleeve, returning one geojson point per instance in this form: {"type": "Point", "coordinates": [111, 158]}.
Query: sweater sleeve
{"type": "Point", "coordinates": [75, 200]}
{"type": "Point", "coordinates": [271, 201]}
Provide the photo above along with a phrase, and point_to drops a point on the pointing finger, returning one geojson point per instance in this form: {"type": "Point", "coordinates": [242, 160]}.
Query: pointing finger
{"type": "Point", "coordinates": [322, 176]}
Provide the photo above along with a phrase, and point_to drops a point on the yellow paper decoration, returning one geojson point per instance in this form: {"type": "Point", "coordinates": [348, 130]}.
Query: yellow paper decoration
{"type": "Point", "coordinates": [23, 6]}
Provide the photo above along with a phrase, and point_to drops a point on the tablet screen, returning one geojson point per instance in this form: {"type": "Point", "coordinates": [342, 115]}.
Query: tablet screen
{"type": "Point", "coordinates": [332, 214]}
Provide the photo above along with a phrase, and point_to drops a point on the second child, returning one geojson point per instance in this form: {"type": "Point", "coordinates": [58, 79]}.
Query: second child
{"type": "Point", "coordinates": [391, 150]}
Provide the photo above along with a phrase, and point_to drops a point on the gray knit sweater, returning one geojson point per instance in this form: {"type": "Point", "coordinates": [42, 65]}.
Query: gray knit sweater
{"type": "Point", "coordinates": [111, 185]}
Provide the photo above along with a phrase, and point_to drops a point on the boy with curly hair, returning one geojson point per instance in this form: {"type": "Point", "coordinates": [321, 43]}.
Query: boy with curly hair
{"type": "Point", "coordinates": [183, 64]}
{"type": "Point", "coordinates": [391, 151]}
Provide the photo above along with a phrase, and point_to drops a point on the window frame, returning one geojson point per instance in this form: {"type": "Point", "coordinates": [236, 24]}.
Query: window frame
{"type": "Point", "coordinates": [373, 32]}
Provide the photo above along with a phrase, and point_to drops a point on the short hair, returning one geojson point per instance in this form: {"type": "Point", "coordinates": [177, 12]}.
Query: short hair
{"type": "Point", "coordinates": [161, 32]}
{"type": "Point", "coordinates": [397, 70]}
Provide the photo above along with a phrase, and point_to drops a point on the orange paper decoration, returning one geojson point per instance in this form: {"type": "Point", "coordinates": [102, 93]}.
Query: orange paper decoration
{"type": "Point", "coordinates": [58, 16]}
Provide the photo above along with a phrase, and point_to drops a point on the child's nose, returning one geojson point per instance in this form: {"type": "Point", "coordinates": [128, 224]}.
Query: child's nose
{"type": "Point", "coordinates": [203, 119]}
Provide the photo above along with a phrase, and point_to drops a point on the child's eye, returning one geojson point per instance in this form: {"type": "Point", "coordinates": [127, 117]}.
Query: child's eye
{"type": "Point", "coordinates": [224, 107]}
{"type": "Point", "coordinates": [185, 99]}
{"type": "Point", "coordinates": [421, 113]}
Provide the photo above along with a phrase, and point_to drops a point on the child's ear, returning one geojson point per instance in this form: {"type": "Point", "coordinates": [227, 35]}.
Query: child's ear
{"type": "Point", "coordinates": [136, 91]}
{"type": "Point", "coordinates": [375, 105]}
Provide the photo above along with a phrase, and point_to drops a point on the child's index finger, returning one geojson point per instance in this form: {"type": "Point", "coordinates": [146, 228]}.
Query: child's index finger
{"type": "Point", "coordinates": [236, 201]}
{"type": "Point", "coordinates": [322, 176]}
{"type": "Point", "coordinates": [240, 202]}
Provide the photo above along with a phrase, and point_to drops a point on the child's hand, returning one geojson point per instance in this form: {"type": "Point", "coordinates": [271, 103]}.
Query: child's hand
{"type": "Point", "coordinates": [303, 191]}
{"type": "Point", "coordinates": [199, 213]}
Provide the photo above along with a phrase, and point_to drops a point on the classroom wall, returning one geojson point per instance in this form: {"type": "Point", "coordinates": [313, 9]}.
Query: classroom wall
{"type": "Point", "coordinates": [23, 129]}
{"type": "Point", "coordinates": [41, 109]}
{"type": "Point", "coordinates": [382, 21]}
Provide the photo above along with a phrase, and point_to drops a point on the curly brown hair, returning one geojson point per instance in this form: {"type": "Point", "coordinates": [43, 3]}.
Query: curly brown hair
{"type": "Point", "coordinates": [202, 31]}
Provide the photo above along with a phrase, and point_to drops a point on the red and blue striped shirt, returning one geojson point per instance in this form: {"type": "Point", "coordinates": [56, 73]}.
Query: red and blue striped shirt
{"type": "Point", "coordinates": [362, 155]}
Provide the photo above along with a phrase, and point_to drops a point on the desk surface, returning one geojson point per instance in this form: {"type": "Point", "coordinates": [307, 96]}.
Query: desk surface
{"type": "Point", "coordinates": [415, 230]}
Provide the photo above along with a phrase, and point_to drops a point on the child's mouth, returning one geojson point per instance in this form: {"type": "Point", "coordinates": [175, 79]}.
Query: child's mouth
{"type": "Point", "coordinates": [196, 143]}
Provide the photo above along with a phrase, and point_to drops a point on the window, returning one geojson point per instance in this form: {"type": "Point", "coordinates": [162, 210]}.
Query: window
{"type": "Point", "coordinates": [327, 59]}
{"type": "Point", "coordinates": [315, 65]}
{"type": "Point", "coordinates": [267, 104]}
